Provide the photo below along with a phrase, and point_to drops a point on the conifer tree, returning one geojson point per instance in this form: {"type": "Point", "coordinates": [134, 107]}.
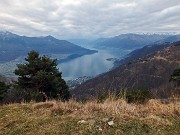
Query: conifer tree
{"type": "Point", "coordinates": [41, 75]}
{"type": "Point", "coordinates": [176, 75]}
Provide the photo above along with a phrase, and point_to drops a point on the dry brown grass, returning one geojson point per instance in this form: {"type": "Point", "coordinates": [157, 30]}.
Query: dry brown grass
{"type": "Point", "coordinates": [152, 112]}
{"type": "Point", "coordinates": [112, 107]}
{"type": "Point", "coordinates": [56, 117]}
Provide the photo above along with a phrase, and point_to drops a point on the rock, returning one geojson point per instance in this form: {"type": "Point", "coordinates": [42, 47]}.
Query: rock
{"type": "Point", "coordinates": [100, 129]}
{"type": "Point", "coordinates": [110, 123]}
{"type": "Point", "coordinates": [82, 122]}
{"type": "Point", "coordinates": [90, 121]}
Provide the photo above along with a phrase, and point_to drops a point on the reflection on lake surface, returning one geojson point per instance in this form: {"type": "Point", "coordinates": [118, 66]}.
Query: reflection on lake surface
{"type": "Point", "coordinates": [88, 65]}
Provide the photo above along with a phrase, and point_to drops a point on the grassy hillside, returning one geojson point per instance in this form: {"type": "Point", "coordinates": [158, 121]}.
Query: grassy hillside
{"type": "Point", "coordinates": [74, 118]}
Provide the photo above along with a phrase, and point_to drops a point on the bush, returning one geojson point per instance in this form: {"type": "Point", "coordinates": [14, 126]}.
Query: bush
{"type": "Point", "coordinates": [3, 90]}
{"type": "Point", "coordinates": [137, 96]}
{"type": "Point", "coordinates": [16, 94]}
{"type": "Point", "coordinates": [101, 97]}
{"type": "Point", "coordinates": [176, 75]}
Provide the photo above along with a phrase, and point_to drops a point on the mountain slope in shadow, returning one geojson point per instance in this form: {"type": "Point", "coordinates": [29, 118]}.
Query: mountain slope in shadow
{"type": "Point", "coordinates": [151, 72]}
{"type": "Point", "coordinates": [13, 46]}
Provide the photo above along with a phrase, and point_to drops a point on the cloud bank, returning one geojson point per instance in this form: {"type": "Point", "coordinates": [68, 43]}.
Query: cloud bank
{"type": "Point", "coordinates": [88, 18]}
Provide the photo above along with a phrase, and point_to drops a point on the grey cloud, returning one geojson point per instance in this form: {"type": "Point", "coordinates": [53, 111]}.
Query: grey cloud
{"type": "Point", "coordinates": [88, 18]}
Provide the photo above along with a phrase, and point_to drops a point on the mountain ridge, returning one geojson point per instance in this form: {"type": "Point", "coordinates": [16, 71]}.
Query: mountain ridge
{"type": "Point", "coordinates": [141, 53]}
{"type": "Point", "coordinates": [13, 46]}
{"type": "Point", "coordinates": [133, 41]}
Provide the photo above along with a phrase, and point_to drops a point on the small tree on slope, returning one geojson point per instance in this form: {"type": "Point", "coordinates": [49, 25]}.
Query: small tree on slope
{"type": "Point", "coordinates": [40, 75]}
{"type": "Point", "coordinates": [175, 77]}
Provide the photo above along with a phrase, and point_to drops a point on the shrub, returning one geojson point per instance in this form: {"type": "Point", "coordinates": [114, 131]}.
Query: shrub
{"type": "Point", "coordinates": [176, 75]}
{"type": "Point", "coordinates": [3, 90]}
{"type": "Point", "coordinates": [101, 97]}
{"type": "Point", "coordinates": [137, 96]}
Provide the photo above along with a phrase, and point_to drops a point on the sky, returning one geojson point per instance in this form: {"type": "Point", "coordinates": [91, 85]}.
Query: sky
{"type": "Point", "coordinates": [70, 19]}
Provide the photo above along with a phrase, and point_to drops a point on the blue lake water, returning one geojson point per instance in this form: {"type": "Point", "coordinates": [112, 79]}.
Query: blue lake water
{"type": "Point", "coordinates": [89, 65]}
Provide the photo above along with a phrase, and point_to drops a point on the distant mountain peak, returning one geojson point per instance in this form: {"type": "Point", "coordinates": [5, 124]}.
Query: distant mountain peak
{"type": "Point", "coordinates": [50, 37]}
{"type": "Point", "coordinates": [7, 34]}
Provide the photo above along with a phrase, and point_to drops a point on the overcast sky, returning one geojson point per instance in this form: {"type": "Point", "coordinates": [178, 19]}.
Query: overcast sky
{"type": "Point", "coordinates": [88, 18]}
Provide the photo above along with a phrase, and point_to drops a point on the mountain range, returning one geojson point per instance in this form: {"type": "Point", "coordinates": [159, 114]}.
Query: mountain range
{"type": "Point", "coordinates": [132, 41]}
{"type": "Point", "coordinates": [13, 46]}
{"type": "Point", "coordinates": [129, 41]}
{"type": "Point", "coordinates": [149, 67]}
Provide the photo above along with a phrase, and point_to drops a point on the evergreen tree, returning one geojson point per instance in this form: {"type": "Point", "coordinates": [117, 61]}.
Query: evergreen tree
{"type": "Point", "coordinates": [176, 75]}
{"type": "Point", "coordinates": [40, 75]}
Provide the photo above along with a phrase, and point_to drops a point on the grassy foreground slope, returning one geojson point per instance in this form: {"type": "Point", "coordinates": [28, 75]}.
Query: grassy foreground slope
{"type": "Point", "coordinates": [108, 118]}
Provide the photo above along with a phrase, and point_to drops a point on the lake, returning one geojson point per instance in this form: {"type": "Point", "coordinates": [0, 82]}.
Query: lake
{"type": "Point", "coordinates": [90, 65]}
